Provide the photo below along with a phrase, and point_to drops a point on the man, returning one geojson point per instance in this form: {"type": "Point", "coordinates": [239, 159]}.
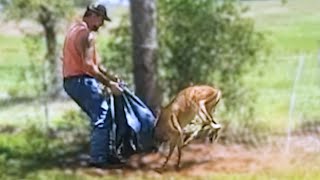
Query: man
{"type": "Point", "coordinates": [82, 72]}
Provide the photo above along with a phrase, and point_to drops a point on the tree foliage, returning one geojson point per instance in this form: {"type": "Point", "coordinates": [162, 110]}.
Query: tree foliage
{"type": "Point", "coordinates": [208, 42]}
{"type": "Point", "coordinates": [33, 9]}
{"type": "Point", "coordinates": [117, 51]}
{"type": "Point", "coordinates": [201, 42]}
{"type": "Point", "coordinates": [47, 14]}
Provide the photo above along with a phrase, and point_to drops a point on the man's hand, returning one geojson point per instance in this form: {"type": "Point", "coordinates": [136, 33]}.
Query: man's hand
{"type": "Point", "coordinates": [116, 77]}
{"type": "Point", "coordinates": [115, 88]}
{"type": "Point", "coordinates": [109, 75]}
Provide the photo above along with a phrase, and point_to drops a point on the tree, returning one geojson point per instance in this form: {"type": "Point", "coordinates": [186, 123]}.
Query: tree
{"type": "Point", "coordinates": [209, 42]}
{"type": "Point", "coordinates": [201, 42]}
{"type": "Point", "coordinates": [144, 43]}
{"type": "Point", "coordinates": [47, 14]}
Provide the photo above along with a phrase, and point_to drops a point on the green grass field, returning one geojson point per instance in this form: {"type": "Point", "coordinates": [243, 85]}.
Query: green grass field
{"type": "Point", "coordinates": [293, 26]}
{"type": "Point", "coordinates": [293, 32]}
{"type": "Point", "coordinates": [12, 62]}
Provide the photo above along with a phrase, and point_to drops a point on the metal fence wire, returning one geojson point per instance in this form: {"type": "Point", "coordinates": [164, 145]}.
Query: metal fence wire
{"type": "Point", "coordinates": [299, 129]}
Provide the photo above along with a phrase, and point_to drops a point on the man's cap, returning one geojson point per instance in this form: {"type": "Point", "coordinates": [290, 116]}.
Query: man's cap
{"type": "Point", "coordinates": [99, 9]}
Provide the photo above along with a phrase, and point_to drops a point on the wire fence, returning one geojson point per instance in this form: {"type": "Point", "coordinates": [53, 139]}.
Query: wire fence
{"type": "Point", "coordinates": [295, 90]}
{"type": "Point", "coordinates": [300, 128]}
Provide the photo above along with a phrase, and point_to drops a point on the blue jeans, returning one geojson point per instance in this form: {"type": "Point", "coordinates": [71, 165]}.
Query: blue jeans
{"type": "Point", "coordinates": [84, 90]}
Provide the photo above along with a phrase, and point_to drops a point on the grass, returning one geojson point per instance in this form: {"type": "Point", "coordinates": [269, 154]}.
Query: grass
{"type": "Point", "coordinates": [293, 26]}
{"type": "Point", "coordinates": [32, 154]}
{"type": "Point", "coordinates": [22, 113]}
{"type": "Point", "coordinates": [31, 148]}
{"type": "Point", "coordinates": [275, 88]}
{"type": "Point", "coordinates": [12, 62]}
{"type": "Point", "coordinates": [292, 31]}
{"type": "Point", "coordinates": [289, 175]}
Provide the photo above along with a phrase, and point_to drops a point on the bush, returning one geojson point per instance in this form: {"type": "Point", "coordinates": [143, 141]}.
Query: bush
{"type": "Point", "coordinates": [201, 42]}
{"type": "Point", "coordinates": [208, 42]}
{"type": "Point", "coordinates": [33, 148]}
{"type": "Point", "coordinates": [117, 51]}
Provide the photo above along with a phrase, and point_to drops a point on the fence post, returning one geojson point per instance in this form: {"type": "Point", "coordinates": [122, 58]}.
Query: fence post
{"type": "Point", "coordinates": [319, 55]}
{"type": "Point", "coordinates": [319, 58]}
{"type": "Point", "coordinates": [293, 100]}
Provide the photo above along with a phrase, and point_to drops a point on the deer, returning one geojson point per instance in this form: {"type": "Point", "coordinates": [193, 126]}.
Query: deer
{"type": "Point", "coordinates": [197, 100]}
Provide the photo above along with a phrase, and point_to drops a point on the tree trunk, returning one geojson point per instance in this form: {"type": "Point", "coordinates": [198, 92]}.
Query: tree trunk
{"type": "Point", "coordinates": [143, 19]}
{"type": "Point", "coordinates": [54, 65]}
{"type": "Point", "coordinates": [53, 86]}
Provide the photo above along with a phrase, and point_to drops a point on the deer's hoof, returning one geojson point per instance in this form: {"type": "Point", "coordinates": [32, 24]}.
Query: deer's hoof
{"type": "Point", "coordinates": [177, 167]}
{"type": "Point", "coordinates": [216, 126]}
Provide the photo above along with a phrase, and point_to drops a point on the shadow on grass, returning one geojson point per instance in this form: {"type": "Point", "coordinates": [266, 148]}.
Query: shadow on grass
{"type": "Point", "coordinates": [12, 101]}
{"type": "Point", "coordinates": [19, 165]}
{"type": "Point", "coordinates": [16, 100]}
{"type": "Point", "coordinates": [30, 151]}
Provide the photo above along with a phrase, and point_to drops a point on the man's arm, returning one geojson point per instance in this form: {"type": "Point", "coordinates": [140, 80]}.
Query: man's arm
{"type": "Point", "coordinates": [107, 73]}
{"type": "Point", "coordinates": [85, 46]}
{"type": "Point", "coordinates": [104, 71]}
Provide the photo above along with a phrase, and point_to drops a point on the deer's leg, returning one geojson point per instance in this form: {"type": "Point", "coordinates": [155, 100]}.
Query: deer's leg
{"type": "Point", "coordinates": [209, 109]}
{"type": "Point", "coordinates": [180, 146]}
{"type": "Point", "coordinates": [214, 136]}
{"type": "Point", "coordinates": [176, 136]}
{"type": "Point", "coordinates": [179, 140]}
{"type": "Point", "coordinates": [210, 105]}
{"type": "Point", "coordinates": [176, 124]}
{"type": "Point", "coordinates": [192, 136]}
{"type": "Point", "coordinates": [172, 145]}
{"type": "Point", "coordinates": [203, 113]}
{"type": "Point", "coordinates": [204, 109]}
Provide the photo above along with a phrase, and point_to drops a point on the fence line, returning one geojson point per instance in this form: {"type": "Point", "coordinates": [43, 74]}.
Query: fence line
{"type": "Point", "coordinates": [293, 100]}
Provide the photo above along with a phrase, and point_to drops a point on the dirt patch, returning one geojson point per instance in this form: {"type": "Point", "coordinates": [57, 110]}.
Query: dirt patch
{"type": "Point", "coordinates": [204, 159]}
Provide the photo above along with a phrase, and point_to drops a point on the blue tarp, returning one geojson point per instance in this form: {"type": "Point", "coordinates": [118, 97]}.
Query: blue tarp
{"type": "Point", "coordinates": [132, 125]}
